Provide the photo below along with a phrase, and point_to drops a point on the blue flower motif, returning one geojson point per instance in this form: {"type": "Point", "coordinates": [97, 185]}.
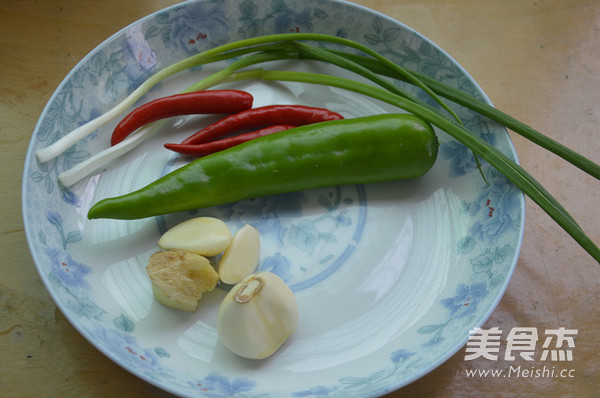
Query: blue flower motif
{"type": "Point", "coordinates": [138, 357]}
{"type": "Point", "coordinates": [56, 220]}
{"type": "Point", "coordinates": [135, 70]}
{"type": "Point", "coordinates": [291, 21]}
{"type": "Point", "coordinates": [73, 156]}
{"type": "Point", "coordinates": [161, 352]}
{"type": "Point", "coordinates": [217, 385]}
{"type": "Point", "coordinates": [342, 220]}
{"type": "Point", "coordinates": [54, 217]}
{"type": "Point", "coordinates": [305, 236]}
{"type": "Point", "coordinates": [202, 22]}
{"type": "Point", "coordinates": [69, 196]}
{"type": "Point", "coordinates": [466, 300]}
{"type": "Point", "coordinates": [83, 307]}
{"type": "Point", "coordinates": [123, 323]}
{"type": "Point", "coordinates": [279, 265]}
{"type": "Point", "coordinates": [266, 212]}
{"type": "Point", "coordinates": [401, 355]}
{"type": "Point", "coordinates": [461, 158]}
{"type": "Point", "coordinates": [318, 391]}
{"type": "Point", "coordinates": [138, 50]}
{"type": "Point", "coordinates": [70, 273]}
{"type": "Point", "coordinates": [279, 18]}
{"type": "Point", "coordinates": [483, 262]}
{"type": "Point", "coordinates": [95, 112]}
{"type": "Point", "coordinates": [435, 340]}
{"type": "Point", "coordinates": [499, 209]}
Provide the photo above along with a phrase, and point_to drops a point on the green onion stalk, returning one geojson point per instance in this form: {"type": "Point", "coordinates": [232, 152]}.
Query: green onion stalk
{"type": "Point", "coordinates": [403, 99]}
{"type": "Point", "coordinates": [372, 66]}
{"type": "Point", "coordinates": [510, 169]}
{"type": "Point", "coordinates": [460, 97]}
{"type": "Point", "coordinates": [218, 53]}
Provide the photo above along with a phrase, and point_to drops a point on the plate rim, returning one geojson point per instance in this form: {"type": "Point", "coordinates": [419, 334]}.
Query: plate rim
{"type": "Point", "coordinates": [31, 241]}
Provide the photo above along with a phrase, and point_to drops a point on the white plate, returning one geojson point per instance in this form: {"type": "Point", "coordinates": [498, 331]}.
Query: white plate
{"type": "Point", "coordinates": [389, 277]}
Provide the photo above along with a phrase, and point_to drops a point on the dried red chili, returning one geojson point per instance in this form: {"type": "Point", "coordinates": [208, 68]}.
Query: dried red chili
{"type": "Point", "coordinates": [296, 115]}
{"type": "Point", "coordinates": [197, 102]}
{"type": "Point", "coordinates": [206, 148]}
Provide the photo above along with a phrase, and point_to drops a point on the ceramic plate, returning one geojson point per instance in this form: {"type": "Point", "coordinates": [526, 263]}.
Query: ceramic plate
{"type": "Point", "coordinates": [389, 277]}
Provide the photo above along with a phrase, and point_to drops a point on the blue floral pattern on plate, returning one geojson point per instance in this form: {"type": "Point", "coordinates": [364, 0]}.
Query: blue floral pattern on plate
{"type": "Point", "coordinates": [314, 239]}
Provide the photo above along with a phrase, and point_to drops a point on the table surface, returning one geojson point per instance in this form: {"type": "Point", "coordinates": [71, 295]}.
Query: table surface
{"type": "Point", "coordinates": [537, 60]}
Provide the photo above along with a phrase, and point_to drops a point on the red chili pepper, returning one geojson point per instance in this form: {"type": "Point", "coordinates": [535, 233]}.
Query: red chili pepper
{"type": "Point", "coordinates": [296, 115]}
{"type": "Point", "coordinates": [209, 147]}
{"type": "Point", "coordinates": [197, 102]}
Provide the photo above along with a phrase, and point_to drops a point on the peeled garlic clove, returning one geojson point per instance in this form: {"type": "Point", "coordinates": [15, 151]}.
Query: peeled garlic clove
{"type": "Point", "coordinates": [257, 316]}
{"type": "Point", "coordinates": [207, 236]}
{"type": "Point", "coordinates": [241, 257]}
{"type": "Point", "coordinates": [179, 278]}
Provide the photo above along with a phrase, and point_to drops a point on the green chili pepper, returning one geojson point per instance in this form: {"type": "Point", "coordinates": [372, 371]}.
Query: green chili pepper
{"type": "Point", "coordinates": [348, 151]}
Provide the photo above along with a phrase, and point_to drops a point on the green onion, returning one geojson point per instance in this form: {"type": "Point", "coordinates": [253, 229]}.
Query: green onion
{"type": "Point", "coordinates": [493, 156]}
{"type": "Point", "coordinates": [277, 47]}
{"type": "Point", "coordinates": [226, 51]}
{"type": "Point", "coordinates": [266, 52]}
{"type": "Point", "coordinates": [221, 52]}
{"type": "Point", "coordinates": [93, 163]}
{"type": "Point", "coordinates": [466, 100]}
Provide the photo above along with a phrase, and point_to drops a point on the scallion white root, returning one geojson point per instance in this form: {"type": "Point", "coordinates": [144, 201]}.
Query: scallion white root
{"type": "Point", "coordinates": [81, 170]}
{"type": "Point", "coordinates": [65, 142]}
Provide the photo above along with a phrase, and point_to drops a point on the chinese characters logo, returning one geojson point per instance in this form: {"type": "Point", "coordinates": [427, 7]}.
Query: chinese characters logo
{"type": "Point", "coordinates": [557, 345]}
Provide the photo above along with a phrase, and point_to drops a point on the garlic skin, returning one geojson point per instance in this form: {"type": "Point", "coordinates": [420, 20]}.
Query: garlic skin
{"type": "Point", "coordinates": [179, 278]}
{"type": "Point", "coordinates": [207, 236]}
{"type": "Point", "coordinates": [257, 316]}
{"type": "Point", "coordinates": [240, 259]}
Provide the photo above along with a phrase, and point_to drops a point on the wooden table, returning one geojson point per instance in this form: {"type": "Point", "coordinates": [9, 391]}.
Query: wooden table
{"type": "Point", "coordinates": [537, 60]}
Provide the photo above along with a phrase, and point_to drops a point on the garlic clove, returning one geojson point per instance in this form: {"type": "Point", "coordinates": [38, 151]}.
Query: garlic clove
{"type": "Point", "coordinates": [207, 236]}
{"type": "Point", "coordinates": [257, 316]}
{"type": "Point", "coordinates": [179, 278]}
{"type": "Point", "coordinates": [240, 259]}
